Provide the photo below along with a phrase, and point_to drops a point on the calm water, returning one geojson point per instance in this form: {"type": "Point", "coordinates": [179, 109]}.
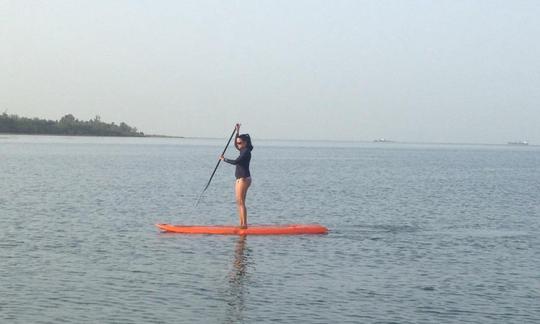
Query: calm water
{"type": "Point", "coordinates": [419, 233]}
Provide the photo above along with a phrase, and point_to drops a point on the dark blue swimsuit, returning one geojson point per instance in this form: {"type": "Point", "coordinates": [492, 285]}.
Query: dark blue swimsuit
{"type": "Point", "coordinates": [242, 163]}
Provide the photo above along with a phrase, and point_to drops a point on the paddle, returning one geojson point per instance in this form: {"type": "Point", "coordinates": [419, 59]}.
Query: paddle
{"type": "Point", "coordinates": [210, 180]}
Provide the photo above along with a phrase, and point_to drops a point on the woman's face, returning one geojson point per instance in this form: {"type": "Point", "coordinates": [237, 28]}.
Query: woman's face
{"type": "Point", "coordinates": [240, 143]}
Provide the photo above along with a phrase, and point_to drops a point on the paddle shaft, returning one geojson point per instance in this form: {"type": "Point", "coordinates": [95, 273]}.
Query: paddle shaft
{"type": "Point", "coordinates": [215, 169]}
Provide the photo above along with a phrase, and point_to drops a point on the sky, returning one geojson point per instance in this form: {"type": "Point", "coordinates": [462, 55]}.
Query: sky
{"type": "Point", "coordinates": [462, 71]}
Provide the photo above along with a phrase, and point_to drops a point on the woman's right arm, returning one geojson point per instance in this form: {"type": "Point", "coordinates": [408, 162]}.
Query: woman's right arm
{"type": "Point", "coordinates": [237, 134]}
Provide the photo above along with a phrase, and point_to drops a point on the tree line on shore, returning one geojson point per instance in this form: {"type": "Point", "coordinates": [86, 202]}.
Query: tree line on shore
{"type": "Point", "coordinates": [67, 125]}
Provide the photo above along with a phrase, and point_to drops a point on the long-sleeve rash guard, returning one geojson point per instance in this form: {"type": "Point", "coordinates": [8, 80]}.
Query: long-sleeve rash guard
{"type": "Point", "coordinates": [242, 163]}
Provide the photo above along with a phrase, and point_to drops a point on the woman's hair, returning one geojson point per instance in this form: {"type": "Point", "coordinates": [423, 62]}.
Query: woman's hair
{"type": "Point", "coordinates": [247, 139]}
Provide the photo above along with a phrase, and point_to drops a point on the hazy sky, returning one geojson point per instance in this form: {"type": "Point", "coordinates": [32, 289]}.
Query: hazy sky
{"type": "Point", "coordinates": [442, 71]}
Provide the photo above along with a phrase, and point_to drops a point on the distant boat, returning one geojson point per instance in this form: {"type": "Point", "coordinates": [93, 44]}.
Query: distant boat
{"type": "Point", "coordinates": [518, 143]}
{"type": "Point", "coordinates": [382, 140]}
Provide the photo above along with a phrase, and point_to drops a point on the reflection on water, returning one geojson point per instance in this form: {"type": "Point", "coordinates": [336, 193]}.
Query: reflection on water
{"type": "Point", "coordinates": [237, 282]}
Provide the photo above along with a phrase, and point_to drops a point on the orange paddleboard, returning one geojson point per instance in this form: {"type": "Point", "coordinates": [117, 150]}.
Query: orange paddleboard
{"type": "Point", "coordinates": [289, 229]}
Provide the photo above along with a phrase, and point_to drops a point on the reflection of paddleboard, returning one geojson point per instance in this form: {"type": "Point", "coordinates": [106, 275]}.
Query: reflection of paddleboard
{"type": "Point", "coordinates": [289, 229]}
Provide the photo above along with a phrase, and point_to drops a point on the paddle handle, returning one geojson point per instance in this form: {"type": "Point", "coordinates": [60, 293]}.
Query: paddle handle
{"type": "Point", "coordinates": [217, 165]}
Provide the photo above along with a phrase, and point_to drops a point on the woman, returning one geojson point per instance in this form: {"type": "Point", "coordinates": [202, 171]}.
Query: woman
{"type": "Point", "coordinates": [243, 176]}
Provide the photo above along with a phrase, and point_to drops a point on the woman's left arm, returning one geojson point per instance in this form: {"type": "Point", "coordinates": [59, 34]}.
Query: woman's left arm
{"type": "Point", "coordinates": [242, 156]}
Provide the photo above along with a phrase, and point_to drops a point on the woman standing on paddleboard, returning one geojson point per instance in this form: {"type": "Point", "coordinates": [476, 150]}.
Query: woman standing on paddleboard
{"type": "Point", "coordinates": [243, 176]}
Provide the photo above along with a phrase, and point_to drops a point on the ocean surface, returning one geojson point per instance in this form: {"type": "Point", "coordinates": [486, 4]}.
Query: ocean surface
{"type": "Point", "coordinates": [418, 233]}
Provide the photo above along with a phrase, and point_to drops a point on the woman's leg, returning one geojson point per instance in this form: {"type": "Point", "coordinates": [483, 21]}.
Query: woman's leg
{"type": "Point", "coordinates": [241, 188]}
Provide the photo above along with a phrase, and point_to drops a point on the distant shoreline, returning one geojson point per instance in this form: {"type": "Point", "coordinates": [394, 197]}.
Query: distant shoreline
{"type": "Point", "coordinates": [67, 125]}
{"type": "Point", "coordinates": [90, 135]}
